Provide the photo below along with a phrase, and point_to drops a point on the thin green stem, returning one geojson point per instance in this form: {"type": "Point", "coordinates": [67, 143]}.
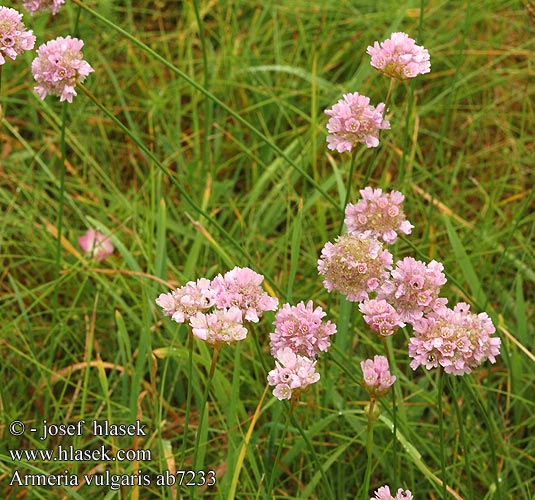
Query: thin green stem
{"type": "Point", "coordinates": [369, 450]}
{"type": "Point", "coordinates": [348, 187]}
{"type": "Point", "coordinates": [198, 444]}
{"type": "Point", "coordinates": [189, 394]}
{"type": "Point", "coordinates": [279, 449]}
{"type": "Point", "coordinates": [440, 392]}
{"type": "Point", "coordinates": [61, 199]}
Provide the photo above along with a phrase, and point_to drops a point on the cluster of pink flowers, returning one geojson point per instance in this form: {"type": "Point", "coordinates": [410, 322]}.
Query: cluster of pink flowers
{"type": "Point", "coordinates": [354, 265]}
{"type": "Point", "coordinates": [383, 493]}
{"type": "Point", "coordinates": [58, 67]}
{"type": "Point", "coordinates": [381, 316]}
{"type": "Point", "coordinates": [354, 120]}
{"type": "Point", "coordinates": [302, 329]}
{"type": "Point", "coordinates": [33, 6]}
{"type": "Point", "coordinates": [457, 340]}
{"type": "Point", "coordinates": [377, 377]}
{"type": "Point", "coordinates": [216, 309]}
{"type": "Point", "coordinates": [300, 334]}
{"type": "Point", "coordinates": [378, 214]}
{"type": "Point", "coordinates": [292, 373]}
{"type": "Point", "coordinates": [95, 244]}
{"type": "Point", "coordinates": [14, 37]}
{"type": "Point", "coordinates": [399, 57]}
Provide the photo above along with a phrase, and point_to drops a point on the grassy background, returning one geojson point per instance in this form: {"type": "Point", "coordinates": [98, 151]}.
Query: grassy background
{"type": "Point", "coordinates": [461, 149]}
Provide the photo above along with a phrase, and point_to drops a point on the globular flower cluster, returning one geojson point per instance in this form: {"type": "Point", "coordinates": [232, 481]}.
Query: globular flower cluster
{"type": "Point", "coordinates": [33, 6]}
{"type": "Point", "coordinates": [14, 37]}
{"type": "Point", "coordinates": [184, 302]}
{"type": "Point", "coordinates": [381, 316]}
{"type": "Point", "coordinates": [58, 67]}
{"type": "Point", "coordinates": [399, 57]}
{"type": "Point", "coordinates": [302, 329]}
{"type": "Point", "coordinates": [413, 288]}
{"type": "Point", "coordinates": [354, 265]}
{"type": "Point", "coordinates": [292, 373]}
{"type": "Point", "coordinates": [216, 309]}
{"type": "Point", "coordinates": [377, 377]}
{"type": "Point", "coordinates": [96, 245]}
{"type": "Point", "coordinates": [455, 339]}
{"type": "Point", "coordinates": [354, 120]}
{"type": "Point", "coordinates": [378, 214]}
{"type": "Point", "coordinates": [241, 287]}
{"type": "Point", "coordinates": [383, 493]}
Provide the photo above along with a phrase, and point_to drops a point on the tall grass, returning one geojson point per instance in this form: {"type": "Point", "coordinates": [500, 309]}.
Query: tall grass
{"type": "Point", "coordinates": [197, 145]}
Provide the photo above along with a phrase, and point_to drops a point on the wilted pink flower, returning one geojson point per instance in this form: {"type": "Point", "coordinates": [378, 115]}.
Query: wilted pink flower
{"type": "Point", "coordinates": [184, 302]}
{"type": "Point", "coordinates": [33, 6]}
{"type": "Point", "coordinates": [383, 493]}
{"type": "Point", "coordinates": [380, 214]}
{"type": "Point", "coordinates": [354, 120]}
{"type": "Point", "coordinates": [377, 377]}
{"type": "Point", "coordinates": [399, 57]}
{"type": "Point", "coordinates": [241, 287]}
{"type": "Point", "coordinates": [292, 372]}
{"type": "Point", "coordinates": [354, 265]}
{"type": "Point", "coordinates": [413, 288]}
{"type": "Point", "coordinates": [301, 329]}
{"type": "Point", "coordinates": [14, 37]}
{"type": "Point", "coordinates": [457, 340]}
{"type": "Point", "coordinates": [223, 326]}
{"type": "Point", "coordinates": [96, 244]}
{"type": "Point", "coordinates": [381, 316]}
{"type": "Point", "coordinates": [58, 67]}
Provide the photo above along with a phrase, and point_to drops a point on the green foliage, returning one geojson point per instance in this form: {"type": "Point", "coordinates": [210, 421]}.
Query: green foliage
{"type": "Point", "coordinates": [203, 149]}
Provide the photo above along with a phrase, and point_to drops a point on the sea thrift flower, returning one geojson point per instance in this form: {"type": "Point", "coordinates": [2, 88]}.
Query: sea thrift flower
{"type": "Point", "coordinates": [383, 493]}
{"type": "Point", "coordinates": [58, 67]}
{"type": "Point", "coordinates": [379, 213]}
{"type": "Point", "coordinates": [457, 340]}
{"type": "Point", "coordinates": [223, 326]}
{"type": "Point", "coordinates": [241, 287]}
{"type": "Point", "coordinates": [377, 377]}
{"type": "Point", "coordinates": [399, 57]}
{"type": "Point", "coordinates": [413, 288]}
{"type": "Point", "coordinates": [354, 265]}
{"type": "Point", "coordinates": [184, 302]}
{"type": "Point", "coordinates": [354, 120]}
{"type": "Point", "coordinates": [96, 244]}
{"type": "Point", "coordinates": [381, 316]}
{"type": "Point", "coordinates": [14, 37]}
{"type": "Point", "coordinates": [33, 6]}
{"type": "Point", "coordinates": [301, 329]}
{"type": "Point", "coordinates": [292, 373]}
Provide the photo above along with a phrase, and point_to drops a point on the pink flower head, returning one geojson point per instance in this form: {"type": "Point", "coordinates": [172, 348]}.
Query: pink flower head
{"type": "Point", "coordinates": [292, 372]}
{"type": "Point", "coordinates": [96, 244]}
{"type": "Point", "coordinates": [381, 316]}
{"type": "Point", "coordinates": [354, 120]}
{"type": "Point", "coordinates": [184, 302]}
{"type": "Point", "coordinates": [14, 37]}
{"type": "Point", "coordinates": [383, 493]}
{"type": "Point", "coordinates": [223, 326]}
{"type": "Point", "coordinates": [33, 6]}
{"type": "Point", "coordinates": [457, 340]}
{"type": "Point", "coordinates": [241, 287]}
{"type": "Point", "coordinates": [302, 329]}
{"type": "Point", "coordinates": [58, 67]}
{"type": "Point", "coordinates": [380, 214]}
{"type": "Point", "coordinates": [413, 288]}
{"type": "Point", "coordinates": [399, 57]}
{"type": "Point", "coordinates": [377, 377]}
{"type": "Point", "coordinates": [354, 265]}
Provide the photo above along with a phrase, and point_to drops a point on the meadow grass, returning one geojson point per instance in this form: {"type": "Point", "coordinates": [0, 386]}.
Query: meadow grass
{"type": "Point", "coordinates": [197, 145]}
